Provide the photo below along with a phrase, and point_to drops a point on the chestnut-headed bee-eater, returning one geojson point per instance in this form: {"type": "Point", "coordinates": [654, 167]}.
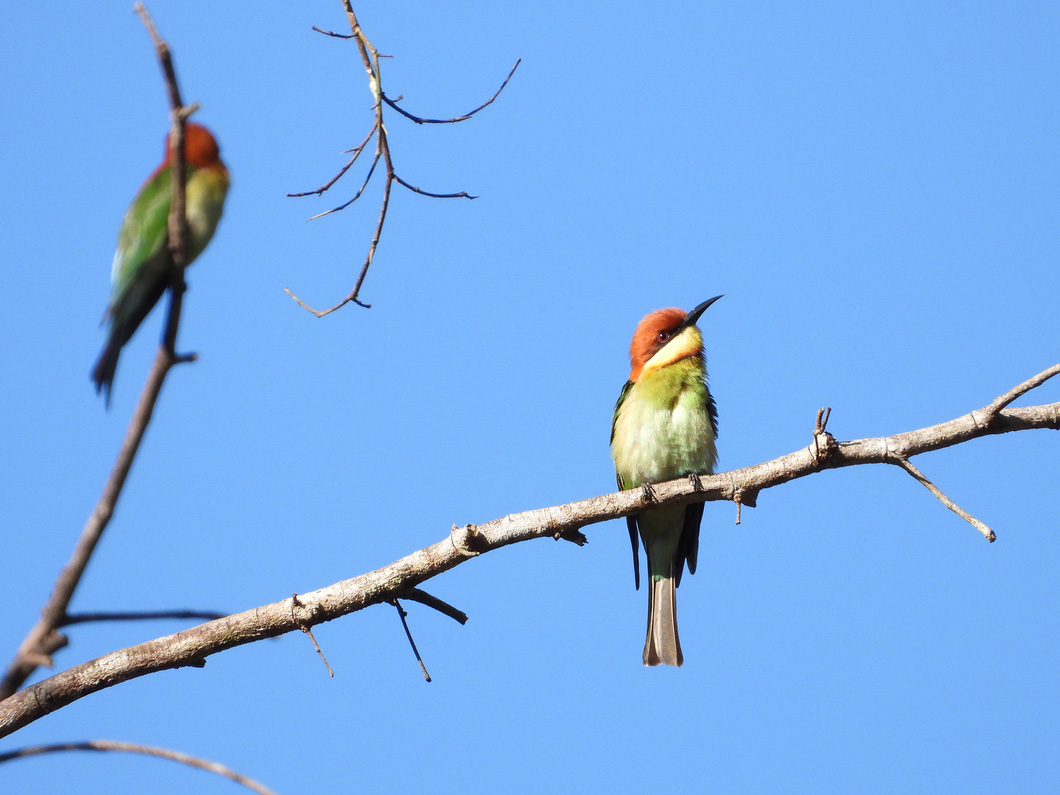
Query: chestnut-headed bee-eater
{"type": "Point", "coordinates": [141, 270]}
{"type": "Point", "coordinates": [664, 427]}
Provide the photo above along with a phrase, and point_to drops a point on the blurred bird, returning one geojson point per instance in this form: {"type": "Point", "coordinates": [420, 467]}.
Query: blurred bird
{"type": "Point", "coordinates": [664, 427]}
{"type": "Point", "coordinates": [141, 270]}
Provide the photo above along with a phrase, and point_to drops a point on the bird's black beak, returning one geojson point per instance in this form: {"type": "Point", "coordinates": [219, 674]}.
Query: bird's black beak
{"type": "Point", "coordinates": [693, 316]}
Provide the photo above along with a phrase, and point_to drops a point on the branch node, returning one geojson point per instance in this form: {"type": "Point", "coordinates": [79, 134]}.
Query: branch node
{"type": "Point", "coordinates": [467, 540]}
{"type": "Point", "coordinates": [572, 534]}
{"type": "Point", "coordinates": [823, 442]}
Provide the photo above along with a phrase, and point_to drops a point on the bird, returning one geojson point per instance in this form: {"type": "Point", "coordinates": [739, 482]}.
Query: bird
{"type": "Point", "coordinates": [665, 426]}
{"type": "Point", "coordinates": [142, 264]}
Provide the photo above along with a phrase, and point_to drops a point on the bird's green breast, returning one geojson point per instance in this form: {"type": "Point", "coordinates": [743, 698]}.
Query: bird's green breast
{"type": "Point", "coordinates": [663, 427]}
{"type": "Point", "coordinates": [206, 191]}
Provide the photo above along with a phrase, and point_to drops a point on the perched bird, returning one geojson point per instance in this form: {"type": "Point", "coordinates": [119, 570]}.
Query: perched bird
{"type": "Point", "coordinates": [141, 270]}
{"type": "Point", "coordinates": [664, 427]}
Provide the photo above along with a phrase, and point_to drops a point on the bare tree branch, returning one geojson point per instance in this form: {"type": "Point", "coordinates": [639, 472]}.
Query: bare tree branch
{"type": "Point", "coordinates": [192, 646]}
{"type": "Point", "coordinates": [44, 638]}
{"type": "Point", "coordinates": [134, 748]}
{"type": "Point", "coordinates": [370, 58]}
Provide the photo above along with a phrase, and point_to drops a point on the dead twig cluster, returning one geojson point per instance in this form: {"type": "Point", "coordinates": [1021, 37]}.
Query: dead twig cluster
{"type": "Point", "coordinates": [370, 58]}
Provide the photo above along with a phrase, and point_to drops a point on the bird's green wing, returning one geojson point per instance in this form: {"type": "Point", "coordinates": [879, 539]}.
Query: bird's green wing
{"type": "Point", "coordinates": [621, 399]}
{"type": "Point", "coordinates": [143, 231]}
{"type": "Point", "coordinates": [631, 521]}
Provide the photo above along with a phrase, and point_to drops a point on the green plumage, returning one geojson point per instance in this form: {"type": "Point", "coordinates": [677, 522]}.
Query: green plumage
{"type": "Point", "coordinates": [141, 270]}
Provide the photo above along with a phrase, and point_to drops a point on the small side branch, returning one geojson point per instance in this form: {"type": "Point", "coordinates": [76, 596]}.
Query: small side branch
{"type": "Point", "coordinates": [424, 598]}
{"type": "Point", "coordinates": [1004, 400]}
{"type": "Point", "coordinates": [908, 466]}
{"type": "Point", "coordinates": [305, 627]}
{"type": "Point", "coordinates": [356, 153]}
{"type": "Point", "coordinates": [147, 750]}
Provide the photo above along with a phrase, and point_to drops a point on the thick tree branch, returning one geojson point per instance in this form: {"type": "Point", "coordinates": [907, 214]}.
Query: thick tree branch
{"type": "Point", "coordinates": [44, 638]}
{"type": "Point", "coordinates": [192, 646]}
{"type": "Point", "coordinates": [147, 750]}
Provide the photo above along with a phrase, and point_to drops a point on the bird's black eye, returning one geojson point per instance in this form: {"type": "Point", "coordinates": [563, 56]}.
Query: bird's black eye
{"type": "Point", "coordinates": [664, 336]}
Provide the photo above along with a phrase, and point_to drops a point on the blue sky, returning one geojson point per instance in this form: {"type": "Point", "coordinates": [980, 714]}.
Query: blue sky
{"type": "Point", "coordinates": [872, 186]}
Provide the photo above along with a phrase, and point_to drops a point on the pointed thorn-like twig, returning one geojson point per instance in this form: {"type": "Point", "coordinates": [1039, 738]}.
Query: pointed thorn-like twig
{"type": "Point", "coordinates": [408, 634]}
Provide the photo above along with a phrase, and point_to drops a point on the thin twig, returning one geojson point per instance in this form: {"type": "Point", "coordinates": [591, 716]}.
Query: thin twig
{"type": "Point", "coordinates": [356, 153]}
{"type": "Point", "coordinates": [356, 196]}
{"type": "Point", "coordinates": [44, 639]}
{"type": "Point", "coordinates": [193, 615]}
{"type": "Point", "coordinates": [134, 748]}
{"type": "Point", "coordinates": [408, 634]}
{"type": "Point", "coordinates": [333, 33]}
{"type": "Point", "coordinates": [462, 195]}
{"type": "Point", "coordinates": [419, 120]}
{"type": "Point", "coordinates": [192, 646]}
{"type": "Point", "coordinates": [908, 466]}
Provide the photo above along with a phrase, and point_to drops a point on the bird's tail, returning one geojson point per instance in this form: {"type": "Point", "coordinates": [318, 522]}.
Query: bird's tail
{"type": "Point", "coordinates": [106, 365]}
{"type": "Point", "coordinates": [662, 646]}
